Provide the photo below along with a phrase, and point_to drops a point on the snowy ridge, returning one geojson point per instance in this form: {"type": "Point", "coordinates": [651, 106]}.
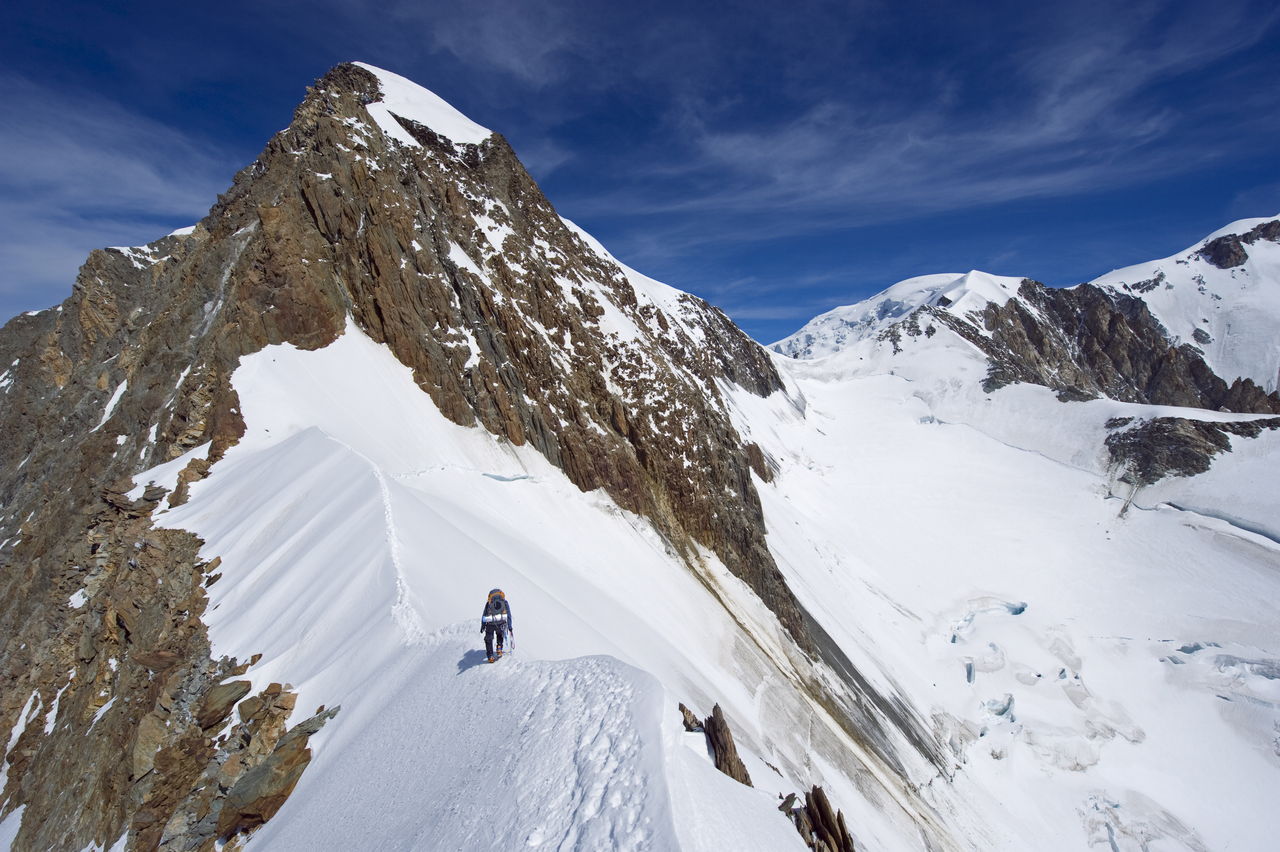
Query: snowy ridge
{"type": "Point", "coordinates": [965, 549]}
{"type": "Point", "coordinates": [1058, 695]}
{"type": "Point", "coordinates": [566, 754]}
{"type": "Point", "coordinates": [352, 504]}
{"type": "Point", "coordinates": [405, 98]}
{"type": "Point", "coordinates": [1239, 226]}
{"type": "Point", "coordinates": [959, 294]}
{"type": "Point", "coordinates": [1231, 315]}
{"type": "Point", "coordinates": [359, 530]}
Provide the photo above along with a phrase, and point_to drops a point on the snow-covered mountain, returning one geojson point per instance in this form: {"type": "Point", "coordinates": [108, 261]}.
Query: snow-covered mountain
{"type": "Point", "coordinates": [842, 327]}
{"type": "Point", "coordinates": [1221, 295]}
{"type": "Point", "coordinates": [1003, 463]}
{"type": "Point", "coordinates": [380, 228]}
{"type": "Point", "coordinates": [955, 571]}
{"type": "Point", "coordinates": [1220, 298]}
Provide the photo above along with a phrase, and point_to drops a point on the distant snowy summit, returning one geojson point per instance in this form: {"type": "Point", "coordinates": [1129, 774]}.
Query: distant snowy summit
{"type": "Point", "coordinates": [842, 327]}
{"type": "Point", "coordinates": [1220, 297]}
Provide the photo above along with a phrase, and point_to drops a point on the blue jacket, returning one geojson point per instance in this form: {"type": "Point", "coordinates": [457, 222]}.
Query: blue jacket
{"type": "Point", "coordinates": [498, 618]}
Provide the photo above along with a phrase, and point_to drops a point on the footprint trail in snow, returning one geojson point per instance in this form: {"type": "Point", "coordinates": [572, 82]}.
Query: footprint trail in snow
{"type": "Point", "coordinates": [466, 755]}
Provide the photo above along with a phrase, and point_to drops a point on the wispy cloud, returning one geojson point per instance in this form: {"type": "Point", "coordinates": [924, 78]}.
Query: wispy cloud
{"type": "Point", "coordinates": [529, 41]}
{"type": "Point", "coordinates": [80, 173]}
{"type": "Point", "coordinates": [1075, 113]}
{"type": "Point", "coordinates": [1259, 201]}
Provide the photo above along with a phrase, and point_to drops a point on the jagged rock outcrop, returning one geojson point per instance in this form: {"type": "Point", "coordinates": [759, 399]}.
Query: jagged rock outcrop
{"type": "Point", "coordinates": [691, 722]}
{"type": "Point", "coordinates": [822, 826]}
{"type": "Point", "coordinates": [1150, 450]}
{"type": "Point", "coordinates": [1085, 342]}
{"type": "Point", "coordinates": [1229, 251]}
{"type": "Point", "coordinates": [118, 716]}
{"type": "Point", "coordinates": [723, 750]}
{"type": "Point", "coordinates": [509, 318]}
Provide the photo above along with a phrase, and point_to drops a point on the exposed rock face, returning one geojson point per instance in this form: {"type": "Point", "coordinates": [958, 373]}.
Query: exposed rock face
{"type": "Point", "coordinates": [1091, 342]}
{"type": "Point", "coordinates": [510, 320]}
{"type": "Point", "coordinates": [107, 675]}
{"type": "Point", "coordinates": [1175, 446]}
{"type": "Point", "coordinates": [1086, 342]}
{"type": "Point", "coordinates": [1229, 251]}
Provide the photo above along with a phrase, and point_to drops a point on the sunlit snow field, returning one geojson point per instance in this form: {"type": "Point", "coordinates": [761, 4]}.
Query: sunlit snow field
{"type": "Point", "coordinates": [1100, 679]}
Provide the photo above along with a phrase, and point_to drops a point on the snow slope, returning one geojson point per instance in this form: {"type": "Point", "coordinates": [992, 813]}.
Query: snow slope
{"type": "Point", "coordinates": [1103, 680]}
{"type": "Point", "coordinates": [1092, 674]}
{"type": "Point", "coordinates": [1234, 311]}
{"type": "Point", "coordinates": [461, 755]}
{"type": "Point", "coordinates": [360, 531]}
{"type": "Point", "coordinates": [405, 98]}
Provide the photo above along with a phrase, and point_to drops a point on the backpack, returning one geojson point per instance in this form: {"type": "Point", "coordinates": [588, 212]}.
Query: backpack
{"type": "Point", "coordinates": [496, 607]}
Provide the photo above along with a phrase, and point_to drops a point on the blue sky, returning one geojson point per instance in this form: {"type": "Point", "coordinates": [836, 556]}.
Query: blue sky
{"type": "Point", "coordinates": [777, 159]}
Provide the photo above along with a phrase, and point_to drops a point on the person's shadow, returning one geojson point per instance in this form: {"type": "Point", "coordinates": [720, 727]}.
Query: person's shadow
{"type": "Point", "coordinates": [470, 660]}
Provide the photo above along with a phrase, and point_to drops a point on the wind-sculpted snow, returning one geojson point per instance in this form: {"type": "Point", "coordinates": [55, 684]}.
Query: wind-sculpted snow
{"type": "Point", "coordinates": [385, 376]}
{"type": "Point", "coordinates": [606, 484]}
{"type": "Point", "coordinates": [458, 754]}
{"type": "Point", "coordinates": [404, 99]}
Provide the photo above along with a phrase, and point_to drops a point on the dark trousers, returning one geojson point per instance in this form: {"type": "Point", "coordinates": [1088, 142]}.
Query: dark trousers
{"type": "Point", "coordinates": [491, 630]}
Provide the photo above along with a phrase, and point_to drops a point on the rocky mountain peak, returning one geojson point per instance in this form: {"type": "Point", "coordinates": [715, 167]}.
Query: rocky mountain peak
{"type": "Point", "coordinates": [380, 205]}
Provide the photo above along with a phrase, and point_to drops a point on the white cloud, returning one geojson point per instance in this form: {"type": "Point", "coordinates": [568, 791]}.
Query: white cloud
{"type": "Point", "coordinates": [80, 173]}
{"type": "Point", "coordinates": [1092, 100]}
{"type": "Point", "coordinates": [520, 38]}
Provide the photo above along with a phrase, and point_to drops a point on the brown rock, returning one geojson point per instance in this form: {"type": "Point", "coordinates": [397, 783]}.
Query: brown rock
{"type": "Point", "coordinates": [816, 822]}
{"type": "Point", "coordinates": [262, 790]}
{"type": "Point", "coordinates": [218, 701]}
{"type": "Point", "coordinates": [159, 660]}
{"type": "Point", "coordinates": [720, 738]}
{"type": "Point", "coordinates": [1225, 252]}
{"type": "Point", "coordinates": [691, 722]}
{"type": "Point", "coordinates": [250, 708]}
{"type": "Point", "coordinates": [151, 734]}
